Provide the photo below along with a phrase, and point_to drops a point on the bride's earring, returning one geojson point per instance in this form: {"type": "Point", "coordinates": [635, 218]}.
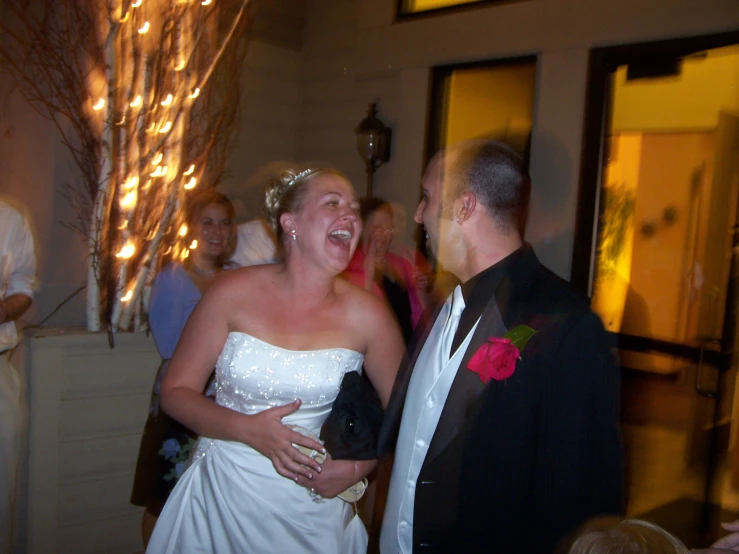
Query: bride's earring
{"type": "Point", "coordinates": [294, 235]}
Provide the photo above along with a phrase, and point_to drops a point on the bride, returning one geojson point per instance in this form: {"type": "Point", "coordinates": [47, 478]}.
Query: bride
{"type": "Point", "coordinates": [281, 338]}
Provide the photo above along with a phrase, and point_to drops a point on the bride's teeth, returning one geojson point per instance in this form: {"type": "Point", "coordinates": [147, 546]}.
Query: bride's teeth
{"type": "Point", "coordinates": [341, 233]}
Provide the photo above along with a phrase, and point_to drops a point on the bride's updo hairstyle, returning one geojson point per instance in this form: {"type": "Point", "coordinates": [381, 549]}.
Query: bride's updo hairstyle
{"type": "Point", "coordinates": [286, 190]}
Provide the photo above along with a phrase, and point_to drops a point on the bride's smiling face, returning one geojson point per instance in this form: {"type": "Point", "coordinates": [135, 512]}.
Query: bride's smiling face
{"type": "Point", "coordinates": [327, 226]}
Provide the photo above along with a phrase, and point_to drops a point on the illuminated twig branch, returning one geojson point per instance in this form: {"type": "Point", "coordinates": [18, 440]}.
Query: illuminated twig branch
{"type": "Point", "coordinates": [130, 86]}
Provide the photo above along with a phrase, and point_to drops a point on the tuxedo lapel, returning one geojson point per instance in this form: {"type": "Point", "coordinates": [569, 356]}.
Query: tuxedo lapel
{"type": "Point", "coordinates": [466, 385]}
{"type": "Point", "coordinates": [505, 304]}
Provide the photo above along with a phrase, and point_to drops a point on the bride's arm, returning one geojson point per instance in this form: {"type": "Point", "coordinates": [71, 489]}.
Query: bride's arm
{"type": "Point", "coordinates": [384, 350]}
{"type": "Point", "coordinates": [194, 358]}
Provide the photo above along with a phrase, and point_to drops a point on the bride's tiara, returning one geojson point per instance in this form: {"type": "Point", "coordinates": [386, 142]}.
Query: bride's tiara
{"type": "Point", "coordinates": [302, 175]}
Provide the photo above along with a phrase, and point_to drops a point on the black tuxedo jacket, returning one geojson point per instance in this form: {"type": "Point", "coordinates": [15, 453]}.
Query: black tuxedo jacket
{"type": "Point", "coordinates": [516, 465]}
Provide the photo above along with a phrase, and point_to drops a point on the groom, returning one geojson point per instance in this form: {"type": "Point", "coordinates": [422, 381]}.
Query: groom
{"type": "Point", "coordinates": [497, 450]}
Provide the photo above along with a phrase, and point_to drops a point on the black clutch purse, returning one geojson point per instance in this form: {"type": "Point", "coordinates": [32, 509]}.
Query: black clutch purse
{"type": "Point", "coordinates": [351, 430]}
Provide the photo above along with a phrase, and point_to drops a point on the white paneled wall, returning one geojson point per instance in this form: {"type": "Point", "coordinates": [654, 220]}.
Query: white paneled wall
{"type": "Point", "coordinates": [87, 406]}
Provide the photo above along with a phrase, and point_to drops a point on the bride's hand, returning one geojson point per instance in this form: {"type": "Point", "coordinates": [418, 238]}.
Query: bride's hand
{"type": "Point", "coordinates": [268, 436]}
{"type": "Point", "coordinates": [336, 476]}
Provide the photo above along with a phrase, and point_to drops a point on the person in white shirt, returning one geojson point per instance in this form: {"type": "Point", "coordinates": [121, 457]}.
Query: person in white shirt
{"type": "Point", "coordinates": [255, 244]}
{"type": "Point", "coordinates": [17, 277]}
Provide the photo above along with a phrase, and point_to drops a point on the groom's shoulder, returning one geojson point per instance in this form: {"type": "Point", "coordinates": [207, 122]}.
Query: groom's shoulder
{"type": "Point", "coordinates": [556, 306]}
{"type": "Point", "coordinates": [554, 292]}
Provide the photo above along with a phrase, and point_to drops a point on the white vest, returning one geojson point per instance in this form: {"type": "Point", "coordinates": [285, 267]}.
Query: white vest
{"type": "Point", "coordinates": [429, 386]}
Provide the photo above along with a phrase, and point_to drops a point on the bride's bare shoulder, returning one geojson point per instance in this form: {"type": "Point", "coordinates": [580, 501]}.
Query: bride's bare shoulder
{"type": "Point", "coordinates": [357, 298]}
{"type": "Point", "coordinates": [235, 280]}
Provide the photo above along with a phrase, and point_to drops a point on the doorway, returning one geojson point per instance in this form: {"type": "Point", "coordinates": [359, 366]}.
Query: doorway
{"type": "Point", "coordinates": [491, 100]}
{"type": "Point", "coordinates": [656, 227]}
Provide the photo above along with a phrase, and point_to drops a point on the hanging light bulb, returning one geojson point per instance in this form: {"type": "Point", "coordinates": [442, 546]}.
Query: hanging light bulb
{"type": "Point", "coordinates": [144, 29]}
{"type": "Point", "coordinates": [157, 159]}
{"type": "Point", "coordinates": [136, 3]}
{"type": "Point", "coordinates": [167, 126]}
{"type": "Point", "coordinates": [131, 182]}
{"type": "Point", "coordinates": [136, 102]}
{"type": "Point", "coordinates": [191, 183]}
{"type": "Point", "coordinates": [127, 251]}
{"type": "Point", "coordinates": [194, 94]}
{"type": "Point", "coordinates": [99, 105]}
{"type": "Point", "coordinates": [160, 171]}
{"type": "Point", "coordinates": [129, 200]}
{"type": "Point", "coordinates": [206, 2]}
{"type": "Point", "coordinates": [126, 17]}
{"type": "Point", "coordinates": [193, 245]}
{"type": "Point", "coordinates": [126, 297]}
{"type": "Point", "coordinates": [183, 230]}
{"type": "Point", "coordinates": [190, 170]}
{"type": "Point", "coordinates": [168, 100]}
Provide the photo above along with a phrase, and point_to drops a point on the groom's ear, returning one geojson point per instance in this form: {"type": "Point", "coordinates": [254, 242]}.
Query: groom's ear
{"type": "Point", "coordinates": [466, 206]}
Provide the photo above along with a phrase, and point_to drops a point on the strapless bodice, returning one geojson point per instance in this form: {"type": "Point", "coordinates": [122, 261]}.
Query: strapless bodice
{"type": "Point", "coordinates": [253, 375]}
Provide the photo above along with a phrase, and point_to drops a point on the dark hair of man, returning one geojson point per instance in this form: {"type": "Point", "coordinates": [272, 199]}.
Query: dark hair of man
{"type": "Point", "coordinates": [496, 175]}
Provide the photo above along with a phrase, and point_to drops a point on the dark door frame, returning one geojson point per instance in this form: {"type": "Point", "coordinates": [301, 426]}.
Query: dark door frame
{"type": "Point", "coordinates": [604, 61]}
{"type": "Point", "coordinates": [439, 74]}
{"type": "Point", "coordinates": [437, 95]}
{"type": "Point", "coordinates": [718, 354]}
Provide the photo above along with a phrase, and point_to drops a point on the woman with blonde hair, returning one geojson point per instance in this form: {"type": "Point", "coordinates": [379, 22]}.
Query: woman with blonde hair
{"type": "Point", "coordinates": [284, 339]}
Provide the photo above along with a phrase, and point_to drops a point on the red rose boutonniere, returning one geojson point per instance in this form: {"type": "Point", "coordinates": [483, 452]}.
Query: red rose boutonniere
{"type": "Point", "coordinates": [496, 359]}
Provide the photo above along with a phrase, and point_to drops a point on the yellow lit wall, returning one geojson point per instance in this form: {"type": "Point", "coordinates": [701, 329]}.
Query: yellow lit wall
{"type": "Point", "coordinates": [612, 286]}
{"type": "Point", "coordinates": [496, 102]}
{"type": "Point", "coordinates": [425, 5]}
{"type": "Point", "coordinates": [691, 101]}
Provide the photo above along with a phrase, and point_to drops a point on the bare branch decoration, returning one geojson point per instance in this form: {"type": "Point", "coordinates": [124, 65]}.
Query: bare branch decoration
{"type": "Point", "coordinates": [145, 95]}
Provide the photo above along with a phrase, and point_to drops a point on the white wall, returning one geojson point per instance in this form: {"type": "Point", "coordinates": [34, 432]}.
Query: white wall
{"type": "Point", "coordinates": [355, 54]}
{"type": "Point", "coordinates": [268, 124]}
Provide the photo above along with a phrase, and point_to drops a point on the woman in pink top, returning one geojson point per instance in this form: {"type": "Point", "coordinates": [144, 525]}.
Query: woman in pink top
{"type": "Point", "coordinates": [385, 274]}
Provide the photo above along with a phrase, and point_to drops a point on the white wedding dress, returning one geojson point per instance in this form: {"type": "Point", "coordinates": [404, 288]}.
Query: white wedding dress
{"type": "Point", "coordinates": [231, 499]}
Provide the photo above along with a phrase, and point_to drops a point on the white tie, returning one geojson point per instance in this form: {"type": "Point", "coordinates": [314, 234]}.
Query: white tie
{"type": "Point", "coordinates": [452, 322]}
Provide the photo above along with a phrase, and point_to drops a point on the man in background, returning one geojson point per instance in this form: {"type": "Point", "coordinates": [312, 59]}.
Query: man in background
{"type": "Point", "coordinates": [17, 276]}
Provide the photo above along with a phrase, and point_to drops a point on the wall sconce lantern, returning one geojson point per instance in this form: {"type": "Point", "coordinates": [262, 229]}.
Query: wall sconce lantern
{"type": "Point", "coordinates": [373, 143]}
